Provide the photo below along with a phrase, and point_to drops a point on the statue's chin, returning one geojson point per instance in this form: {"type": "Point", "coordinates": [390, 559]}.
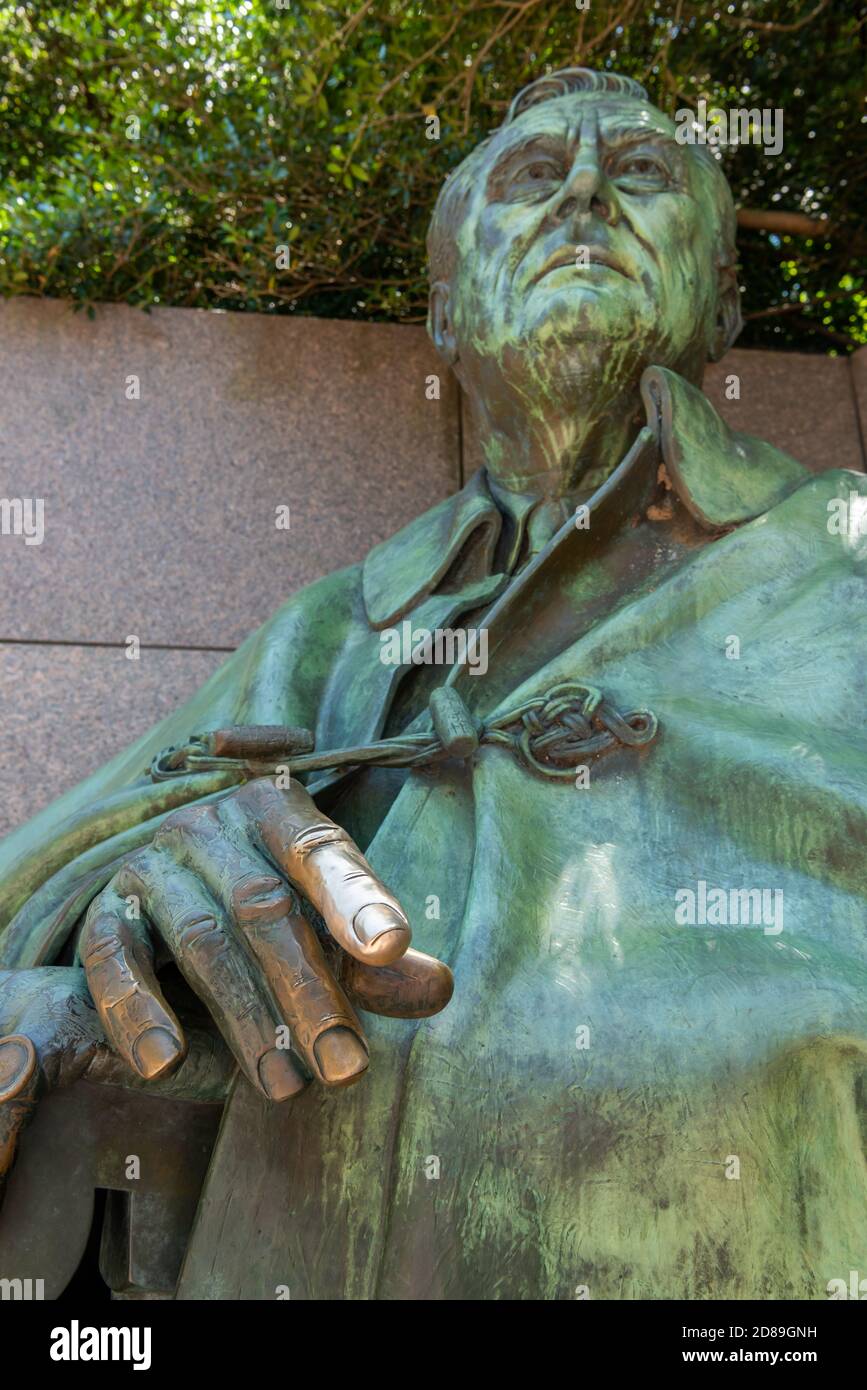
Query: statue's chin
{"type": "Point", "coordinates": [567, 340]}
{"type": "Point", "coordinates": [594, 312]}
{"type": "Point", "coordinates": [582, 339]}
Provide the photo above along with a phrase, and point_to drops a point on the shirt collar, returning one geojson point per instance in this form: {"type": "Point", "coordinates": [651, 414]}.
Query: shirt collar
{"type": "Point", "coordinates": [517, 508]}
{"type": "Point", "coordinates": [723, 477]}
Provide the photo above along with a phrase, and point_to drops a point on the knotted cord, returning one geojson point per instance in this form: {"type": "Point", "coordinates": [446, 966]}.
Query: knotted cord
{"type": "Point", "coordinates": [552, 734]}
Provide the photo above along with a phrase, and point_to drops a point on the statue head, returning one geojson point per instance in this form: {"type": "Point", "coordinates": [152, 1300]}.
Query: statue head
{"type": "Point", "coordinates": [578, 244]}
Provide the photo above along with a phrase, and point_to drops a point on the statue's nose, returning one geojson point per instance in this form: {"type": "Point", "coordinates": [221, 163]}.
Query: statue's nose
{"type": "Point", "coordinates": [585, 190]}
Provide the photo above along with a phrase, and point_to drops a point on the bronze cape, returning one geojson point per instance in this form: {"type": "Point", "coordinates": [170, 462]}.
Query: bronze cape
{"type": "Point", "coordinates": [597, 1151]}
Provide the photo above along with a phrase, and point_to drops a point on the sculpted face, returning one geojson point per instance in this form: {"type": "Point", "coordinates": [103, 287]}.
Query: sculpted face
{"type": "Point", "coordinates": [524, 313]}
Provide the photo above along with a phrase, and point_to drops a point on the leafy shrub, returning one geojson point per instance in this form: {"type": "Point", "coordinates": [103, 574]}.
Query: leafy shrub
{"type": "Point", "coordinates": [159, 151]}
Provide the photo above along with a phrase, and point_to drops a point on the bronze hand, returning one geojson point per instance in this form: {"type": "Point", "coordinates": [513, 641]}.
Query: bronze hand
{"type": "Point", "coordinates": [218, 887]}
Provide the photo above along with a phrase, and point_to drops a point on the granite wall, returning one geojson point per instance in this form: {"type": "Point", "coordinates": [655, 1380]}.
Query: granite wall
{"type": "Point", "coordinates": [163, 445]}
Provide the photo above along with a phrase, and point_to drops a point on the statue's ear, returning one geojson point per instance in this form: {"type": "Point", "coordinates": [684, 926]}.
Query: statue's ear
{"type": "Point", "coordinates": [728, 313]}
{"type": "Point", "coordinates": [439, 323]}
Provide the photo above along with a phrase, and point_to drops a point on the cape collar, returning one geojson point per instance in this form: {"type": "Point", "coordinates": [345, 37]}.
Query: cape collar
{"type": "Point", "coordinates": [722, 476]}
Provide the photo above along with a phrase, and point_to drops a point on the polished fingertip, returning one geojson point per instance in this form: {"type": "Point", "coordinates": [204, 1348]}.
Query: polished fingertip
{"type": "Point", "coordinates": [384, 933]}
{"type": "Point", "coordinates": [440, 987]}
{"type": "Point", "coordinates": [279, 1076]}
{"type": "Point", "coordinates": [156, 1052]}
{"type": "Point", "coordinates": [17, 1064]}
{"type": "Point", "coordinates": [340, 1056]}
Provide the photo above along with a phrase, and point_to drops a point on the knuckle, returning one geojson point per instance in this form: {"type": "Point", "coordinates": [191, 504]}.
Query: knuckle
{"type": "Point", "coordinates": [318, 836]}
{"type": "Point", "coordinates": [250, 793]}
{"type": "Point", "coordinates": [186, 821]}
{"type": "Point", "coordinates": [131, 876]}
{"type": "Point", "coordinates": [100, 944]}
{"type": "Point", "coordinates": [261, 898]}
{"type": "Point", "coordinates": [200, 934]}
{"type": "Point", "coordinates": [100, 936]}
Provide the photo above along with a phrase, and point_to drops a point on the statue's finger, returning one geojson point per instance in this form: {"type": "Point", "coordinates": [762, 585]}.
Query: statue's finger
{"type": "Point", "coordinates": [329, 868]}
{"type": "Point", "coordinates": [18, 1066]}
{"type": "Point", "coordinates": [215, 962]}
{"type": "Point", "coordinates": [19, 1080]}
{"type": "Point", "coordinates": [416, 986]}
{"type": "Point", "coordinates": [118, 961]}
{"type": "Point", "coordinates": [323, 1022]}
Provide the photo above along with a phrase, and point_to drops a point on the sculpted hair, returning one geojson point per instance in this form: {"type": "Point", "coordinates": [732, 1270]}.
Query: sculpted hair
{"type": "Point", "coordinates": [566, 80]}
{"type": "Point", "coordinates": [450, 206]}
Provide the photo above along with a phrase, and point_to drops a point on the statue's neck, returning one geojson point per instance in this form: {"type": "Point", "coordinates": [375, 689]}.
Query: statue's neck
{"type": "Point", "coordinates": [557, 456]}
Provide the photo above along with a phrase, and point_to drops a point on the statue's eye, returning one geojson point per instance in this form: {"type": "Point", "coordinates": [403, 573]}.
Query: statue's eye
{"type": "Point", "coordinates": [537, 171]}
{"type": "Point", "coordinates": [641, 168]}
{"type": "Point", "coordinates": [529, 177]}
{"type": "Point", "coordinates": [542, 169]}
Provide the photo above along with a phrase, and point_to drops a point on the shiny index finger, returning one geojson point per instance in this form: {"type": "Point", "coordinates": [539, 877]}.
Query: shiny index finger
{"type": "Point", "coordinates": [329, 869]}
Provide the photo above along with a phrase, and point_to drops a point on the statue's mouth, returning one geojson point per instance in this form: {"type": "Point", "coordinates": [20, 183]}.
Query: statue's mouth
{"type": "Point", "coordinates": [593, 255]}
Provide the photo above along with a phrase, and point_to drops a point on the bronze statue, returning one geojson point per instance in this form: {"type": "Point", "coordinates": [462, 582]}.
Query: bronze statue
{"type": "Point", "coordinates": [635, 839]}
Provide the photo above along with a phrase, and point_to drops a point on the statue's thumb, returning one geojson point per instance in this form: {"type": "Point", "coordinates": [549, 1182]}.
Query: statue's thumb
{"type": "Point", "coordinates": [19, 1082]}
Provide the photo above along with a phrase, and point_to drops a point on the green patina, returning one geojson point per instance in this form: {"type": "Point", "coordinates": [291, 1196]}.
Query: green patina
{"type": "Point", "coordinates": [566, 1158]}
